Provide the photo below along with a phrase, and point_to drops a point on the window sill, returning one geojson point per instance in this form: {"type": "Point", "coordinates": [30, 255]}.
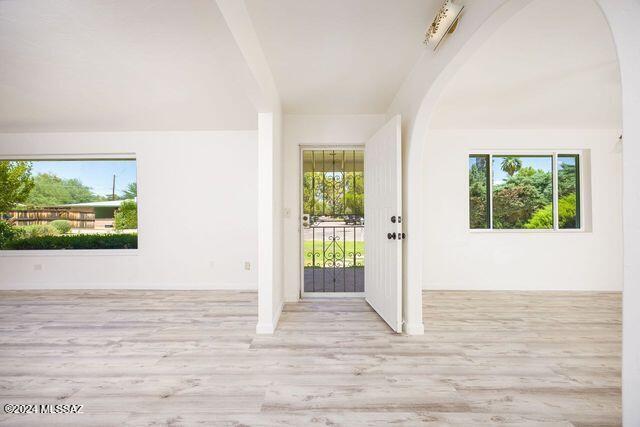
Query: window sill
{"type": "Point", "coordinates": [70, 253]}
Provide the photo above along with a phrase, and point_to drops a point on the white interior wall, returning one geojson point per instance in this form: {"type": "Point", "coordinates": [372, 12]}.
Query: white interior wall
{"type": "Point", "coordinates": [180, 174]}
{"type": "Point", "coordinates": [278, 217]}
{"type": "Point", "coordinates": [623, 17]}
{"type": "Point", "coordinates": [264, 93]}
{"type": "Point", "coordinates": [312, 130]}
{"type": "Point", "coordinates": [513, 95]}
{"type": "Point", "coordinates": [270, 283]}
{"type": "Point", "coordinates": [458, 258]}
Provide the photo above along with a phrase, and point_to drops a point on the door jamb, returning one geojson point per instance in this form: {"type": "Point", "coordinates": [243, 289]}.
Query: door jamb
{"type": "Point", "coordinates": [301, 293]}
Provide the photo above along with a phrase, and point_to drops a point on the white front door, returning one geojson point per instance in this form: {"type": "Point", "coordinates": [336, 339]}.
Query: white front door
{"type": "Point", "coordinates": [383, 223]}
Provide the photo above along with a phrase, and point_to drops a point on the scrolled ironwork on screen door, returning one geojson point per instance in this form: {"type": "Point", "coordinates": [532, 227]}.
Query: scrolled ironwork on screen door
{"type": "Point", "coordinates": [333, 208]}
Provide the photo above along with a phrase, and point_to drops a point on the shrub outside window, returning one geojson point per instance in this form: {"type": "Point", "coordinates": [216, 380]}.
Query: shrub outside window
{"type": "Point", "coordinates": [68, 204]}
{"type": "Point", "coordinates": [524, 192]}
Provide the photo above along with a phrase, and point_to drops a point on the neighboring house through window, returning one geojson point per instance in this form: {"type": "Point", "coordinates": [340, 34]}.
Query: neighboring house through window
{"type": "Point", "coordinates": [72, 203]}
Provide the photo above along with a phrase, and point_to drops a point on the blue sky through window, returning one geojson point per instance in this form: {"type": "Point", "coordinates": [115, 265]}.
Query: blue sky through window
{"type": "Point", "coordinates": [97, 174]}
{"type": "Point", "coordinates": [537, 163]}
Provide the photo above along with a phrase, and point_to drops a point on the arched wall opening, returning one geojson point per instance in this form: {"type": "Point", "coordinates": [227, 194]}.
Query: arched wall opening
{"type": "Point", "coordinates": [622, 17]}
{"type": "Point", "coordinates": [544, 81]}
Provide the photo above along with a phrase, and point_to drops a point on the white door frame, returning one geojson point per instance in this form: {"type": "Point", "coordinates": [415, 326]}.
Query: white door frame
{"type": "Point", "coordinates": [302, 293]}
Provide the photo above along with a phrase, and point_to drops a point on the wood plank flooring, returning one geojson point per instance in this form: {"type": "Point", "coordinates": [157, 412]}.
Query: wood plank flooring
{"type": "Point", "coordinates": [191, 358]}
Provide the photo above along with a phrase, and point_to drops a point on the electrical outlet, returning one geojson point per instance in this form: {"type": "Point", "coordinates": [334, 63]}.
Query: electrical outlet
{"type": "Point", "coordinates": [37, 267]}
{"type": "Point", "coordinates": [287, 212]}
{"type": "Point", "coordinates": [247, 265]}
{"type": "Point", "coordinates": [212, 264]}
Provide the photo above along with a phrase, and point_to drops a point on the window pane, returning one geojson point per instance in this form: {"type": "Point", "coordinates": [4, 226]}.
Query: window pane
{"type": "Point", "coordinates": [522, 192]}
{"type": "Point", "coordinates": [68, 204]}
{"type": "Point", "coordinates": [568, 191]}
{"type": "Point", "coordinates": [478, 191]}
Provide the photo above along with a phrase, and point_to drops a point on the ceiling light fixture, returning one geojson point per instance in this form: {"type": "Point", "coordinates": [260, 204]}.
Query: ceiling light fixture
{"type": "Point", "coordinates": [445, 22]}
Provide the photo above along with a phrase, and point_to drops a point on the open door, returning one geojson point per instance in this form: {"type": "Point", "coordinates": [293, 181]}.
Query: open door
{"type": "Point", "coordinates": [383, 225]}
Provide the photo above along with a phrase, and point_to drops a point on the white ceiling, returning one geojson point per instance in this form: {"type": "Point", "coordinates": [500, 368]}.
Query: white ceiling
{"type": "Point", "coordinates": [340, 56]}
{"type": "Point", "coordinates": [113, 65]}
{"type": "Point", "coordinates": [553, 65]}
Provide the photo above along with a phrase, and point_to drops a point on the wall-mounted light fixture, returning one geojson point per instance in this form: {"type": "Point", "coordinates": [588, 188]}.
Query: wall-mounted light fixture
{"type": "Point", "coordinates": [445, 22]}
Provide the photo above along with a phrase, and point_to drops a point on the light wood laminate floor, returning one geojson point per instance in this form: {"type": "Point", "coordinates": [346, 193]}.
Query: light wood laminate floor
{"type": "Point", "coordinates": [192, 358]}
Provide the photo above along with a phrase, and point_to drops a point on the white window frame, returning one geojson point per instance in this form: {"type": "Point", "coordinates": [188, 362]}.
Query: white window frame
{"type": "Point", "coordinates": [544, 153]}
{"type": "Point", "coordinates": [76, 252]}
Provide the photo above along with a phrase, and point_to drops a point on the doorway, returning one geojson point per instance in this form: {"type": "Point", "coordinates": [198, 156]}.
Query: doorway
{"type": "Point", "coordinates": [332, 222]}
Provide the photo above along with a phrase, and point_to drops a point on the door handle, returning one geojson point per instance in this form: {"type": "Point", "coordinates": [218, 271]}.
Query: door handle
{"type": "Point", "coordinates": [391, 236]}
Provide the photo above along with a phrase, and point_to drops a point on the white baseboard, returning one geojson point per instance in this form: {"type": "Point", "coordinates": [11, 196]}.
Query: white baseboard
{"type": "Point", "coordinates": [524, 287]}
{"type": "Point", "coordinates": [292, 298]}
{"type": "Point", "coordinates": [414, 328]}
{"type": "Point", "coordinates": [130, 286]}
{"type": "Point", "coordinates": [270, 328]}
{"type": "Point", "coordinates": [265, 329]}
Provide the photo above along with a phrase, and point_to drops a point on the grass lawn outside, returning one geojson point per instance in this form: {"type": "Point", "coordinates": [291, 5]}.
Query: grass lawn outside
{"type": "Point", "coordinates": [333, 250]}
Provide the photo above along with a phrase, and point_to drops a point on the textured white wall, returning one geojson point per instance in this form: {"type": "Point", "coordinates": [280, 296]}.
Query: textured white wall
{"type": "Point", "coordinates": [557, 97]}
{"type": "Point", "coordinates": [270, 222]}
{"type": "Point", "coordinates": [456, 258]}
{"type": "Point", "coordinates": [623, 17]}
{"type": "Point", "coordinates": [180, 174]}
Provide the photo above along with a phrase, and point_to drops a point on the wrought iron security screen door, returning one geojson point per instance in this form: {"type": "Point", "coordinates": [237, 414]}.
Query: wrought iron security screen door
{"type": "Point", "coordinates": [333, 247]}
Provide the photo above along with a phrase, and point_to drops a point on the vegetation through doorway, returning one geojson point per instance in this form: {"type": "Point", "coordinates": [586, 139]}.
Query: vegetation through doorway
{"type": "Point", "coordinates": [333, 243]}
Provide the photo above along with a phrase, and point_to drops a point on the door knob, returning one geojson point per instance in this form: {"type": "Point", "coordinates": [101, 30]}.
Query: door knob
{"type": "Point", "coordinates": [391, 236]}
